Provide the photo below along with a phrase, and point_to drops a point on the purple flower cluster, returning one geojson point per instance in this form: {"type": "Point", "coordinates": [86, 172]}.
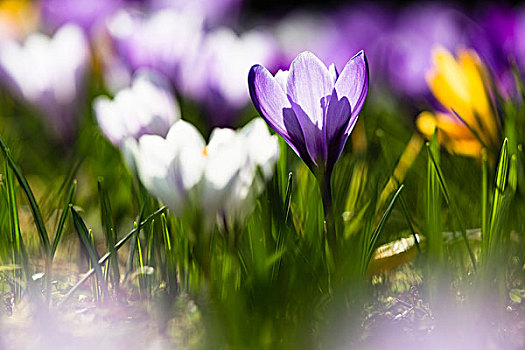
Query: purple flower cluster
{"type": "Point", "coordinates": [205, 52]}
{"type": "Point", "coordinates": [399, 42]}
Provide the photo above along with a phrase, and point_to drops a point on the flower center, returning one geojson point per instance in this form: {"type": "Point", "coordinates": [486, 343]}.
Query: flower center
{"type": "Point", "coordinates": [205, 151]}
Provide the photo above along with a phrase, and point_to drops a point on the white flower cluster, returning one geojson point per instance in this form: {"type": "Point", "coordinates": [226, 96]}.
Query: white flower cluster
{"type": "Point", "coordinates": [172, 159]}
{"type": "Point", "coordinates": [146, 107]}
{"type": "Point", "coordinates": [48, 73]}
{"type": "Point", "coordinates": [221, 178]}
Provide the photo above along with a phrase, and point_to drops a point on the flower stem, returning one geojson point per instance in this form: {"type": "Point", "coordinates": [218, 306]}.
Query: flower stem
{"type": "Point", "coordinates": [329, 224]}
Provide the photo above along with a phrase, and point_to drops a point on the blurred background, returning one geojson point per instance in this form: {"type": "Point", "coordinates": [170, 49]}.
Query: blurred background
{"type": "Point", "coordinates": [71, 88]}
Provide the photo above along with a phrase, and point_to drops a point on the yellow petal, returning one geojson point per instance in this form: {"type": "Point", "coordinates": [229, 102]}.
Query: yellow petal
{"type": "Point", "coordinates": [450, 71]}
{"type": "Point", "coordinates": [447, 96]}
{"type": "Point", "coordinates": [473, 69]}
{"type": "Point", "coordinates": [467, 147]}
{"type": "Point", "coordinates": [452, 127]}
{"type": "Point", "coordinates": [426, 123]}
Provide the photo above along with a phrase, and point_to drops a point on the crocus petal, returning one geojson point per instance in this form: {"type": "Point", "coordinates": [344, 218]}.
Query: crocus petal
{"type": "Point", "coordinates": [309, 84]}
{"type": "Point", "coordinates": [332, 70]}
{"type": "Point", "coordinates": [273, 105]}
{"type": "Point", "coordinates": [153, 160]}
{"type": "Point", "coordinates": [309, 88]}
{"type": "Point", "coordinates": [226, 159]}
{"type": "Point", "coordinates": [219, 138]}
{"type": "Point", "coordinates": [263, 149]}
{"type": "Point", "coordinates": [183, 134]}
{"type": "Point", "coordinates": [338, 115]}
{"type": "Point", "coordinates": [108, 119]}
{"type": "Point", "coordinates": [282, 78]}
{"type": "Point", "coordinates": [153, 93]}
{"type": "Point", "coordinates": [346, 102]}
{"type": "Point", "coordinates": [131, 112]}
{"type": "Point", "coordinates": [147, 107]}
{"type": "Point", "coordinates": [186, 172]}
{"type": "Point", "coordinates": [352, 83]}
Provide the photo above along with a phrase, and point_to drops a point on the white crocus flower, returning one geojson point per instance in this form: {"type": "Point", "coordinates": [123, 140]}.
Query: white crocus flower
{"type": "Point", "coordinates": [220, 178]}
{"type": "Point", "coordinates": [146, 107]}
{"type": "Point", "coordinates": [48, 74]}
{"type": "Point", "coordinates": [262, 152]}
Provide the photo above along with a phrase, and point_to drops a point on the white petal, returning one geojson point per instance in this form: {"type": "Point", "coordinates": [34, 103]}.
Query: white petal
{"type": "Point", "coordinates": [263, 148]}
{"type": "Point", "coordinates": [183, 134]}
{"type": "Point", "coordinates": [154, 157]}
{"type": "Point", "coordinates": [109, 119]}
{"type": "Point", "coordinates": [282, 77]}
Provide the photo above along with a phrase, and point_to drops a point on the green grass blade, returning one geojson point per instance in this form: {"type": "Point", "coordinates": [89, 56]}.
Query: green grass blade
{"type": "Point", "coordinates": [453, 207]}
{"type": "Point", "coordinates": [37, 215]}
{"type": "Point", "coordinates": [104, 258]}
{"type": "Point", "coordinates": [409, 221]}
{"type": "Point", "coordinates": [288, 196]}
{"type": "Point", "coordinates": [17, 252]}
{"type": "Point", "coordinates": [133, 246]}
{"type": "Point", "coordinates": [171, 266]}
{"type": "Point", "coordinates": [434, 227]}
{"type": "Point", "coordinates": [106, 217]}
{"type": "Point", "coordinates": [63, 217]}
{"type": "Point", "coordinates": [83, 234]}
{"type": "Point", "coordinates": [379, 228]}
{"type": "Point", "coordinates": [497, 204]}
{"type": "Point", "coordinates": [484, 194]}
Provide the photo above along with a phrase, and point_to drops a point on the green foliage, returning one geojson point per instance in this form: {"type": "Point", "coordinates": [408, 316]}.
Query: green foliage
{"type": "Point", "coordinates": [271, 281]}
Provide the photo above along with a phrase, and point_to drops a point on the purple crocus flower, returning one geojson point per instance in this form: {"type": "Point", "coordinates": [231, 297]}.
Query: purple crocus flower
{"type": "Point", "coordinates": [312, 107]}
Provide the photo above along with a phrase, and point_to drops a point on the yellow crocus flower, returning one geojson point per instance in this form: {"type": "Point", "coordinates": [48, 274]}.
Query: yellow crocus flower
{"type": "Point", "coordinates": [459, 85]}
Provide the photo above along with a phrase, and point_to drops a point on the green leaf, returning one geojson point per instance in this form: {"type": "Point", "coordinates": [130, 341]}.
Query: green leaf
{"type": "Point", "coordinates": [375, 235]}
{"type": "Point", "coordinates": [497, 210]}
{"type": "Point", "coordinates": [19, 255]}
{"type": "Point", "coordinates": [110, 233]}
{"type": "Point", "coordinates": [83, 234]}
{"type": "Point", "coordinates": [516, 295]}
{"type": "Point", "coordinates": [63, 217]}
{"type": "Point", "coordinates": [104, 258]}
{"type": "Point", "coordinates": [288, 196]}
{"type": "Point", "coordinates": [453, 207]}
{"type": "Point", "coordinates": [37, 215]}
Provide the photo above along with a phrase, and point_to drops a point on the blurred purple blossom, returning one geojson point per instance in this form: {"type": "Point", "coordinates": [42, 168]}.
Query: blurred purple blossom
{"type": "Point", "coordinates": [418, 29]}
{"type": "Point", "coordinates": [216, 75]}
{"type": "Point", "coordinates": [160, 40]}
{"type": "Point", "coordinates": [362, 28]}
{"type": "Point", "coordinates": [49, 75]}
{"type": "Point", "coordinates": [314, 32]}
{"type": "Point", "coordinates": [335, 36]}
{"type": "Point", "coordinates": [85, 13]}
{"type": "Point", "coordinates": [504, 29]}
{"type": "Point", "coordinates": [499, 41]}
{"type": "Point", "coordinates": [214, 12]}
